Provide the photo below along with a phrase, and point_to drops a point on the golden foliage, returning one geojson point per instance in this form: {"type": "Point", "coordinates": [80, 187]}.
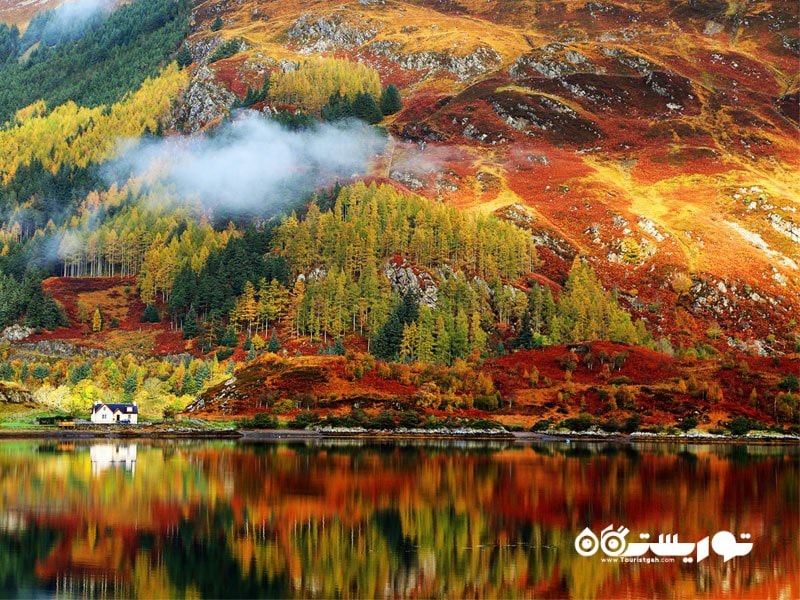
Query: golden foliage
{"type": "Point", "coordinates": [311, 85]}
{"type": "Point", "coordinates": [76, 135]}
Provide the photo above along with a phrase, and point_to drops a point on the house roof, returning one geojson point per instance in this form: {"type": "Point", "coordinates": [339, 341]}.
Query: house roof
{"type": "Point", "coordinates": [125, 409]}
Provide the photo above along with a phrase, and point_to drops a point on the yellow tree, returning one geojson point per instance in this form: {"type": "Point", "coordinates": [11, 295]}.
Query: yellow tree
{"type": "Point", "coordinates": [97, 320]}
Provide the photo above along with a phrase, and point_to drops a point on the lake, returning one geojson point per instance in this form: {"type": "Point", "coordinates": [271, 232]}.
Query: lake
{"type": "Point", "coordinates": [373, 520]}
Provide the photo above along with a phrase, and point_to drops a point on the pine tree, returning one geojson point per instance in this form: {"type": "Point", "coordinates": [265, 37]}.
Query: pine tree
{"type": "Point", "coordinates": [150, 315]}
{"type": "Point", "coordinates": [365, 108]}
{"type": "Point", "coordinates": [525, 337]}
{"type": "Point", "coordinates": [390, 102]}
{"type": "Point", "coordinates": [190, 327]}
{"type": "Point", "coordinates": [273, 346]}
{"type": "Point", "coordinates": [129, 386]}
{"type": "Point", "coordinates": [184, 57]}
{"type": "Point", "coordinates": [228, 338]}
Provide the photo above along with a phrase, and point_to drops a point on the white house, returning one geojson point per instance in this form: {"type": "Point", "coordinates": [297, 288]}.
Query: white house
{"type": "Point", "coordinates": [115, 413]}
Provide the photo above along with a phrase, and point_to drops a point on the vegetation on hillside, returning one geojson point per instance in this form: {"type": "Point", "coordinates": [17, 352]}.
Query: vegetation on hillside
{"type": "Point", "coordinates": [311, 85]}
{"type": "Point", "coordinates": [108, 61]}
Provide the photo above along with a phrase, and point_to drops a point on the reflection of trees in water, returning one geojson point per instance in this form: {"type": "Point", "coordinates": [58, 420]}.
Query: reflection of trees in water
{"type": "Point", "coordinates": [335, 520]}
{"type": "Point", "coordinates": [20, 552]}
{"type": "Point", "coordinates": [198, 558]}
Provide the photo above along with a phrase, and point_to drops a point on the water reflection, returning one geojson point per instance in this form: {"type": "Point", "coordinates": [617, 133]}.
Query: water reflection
{"type": "Point", "coordinates": [334, 518]}
{"type": "Point", "coordinates": [109, 456]}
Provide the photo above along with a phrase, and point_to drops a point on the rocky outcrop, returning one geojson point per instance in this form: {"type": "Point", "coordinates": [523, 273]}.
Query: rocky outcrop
{"type": "Point", "coordinates": [60, 349]}
{"type": "Point", "coordinates": [11, 393]}
{"type": "Point", "coordinates": [553, 61]}
{"type": "Point", "coordinates": [330, 32]}
{"type": "Point", "coordinates": [16, 333]}
{"type": "Point", "coordinates": [406, 279]}
{"type": "Point", "coordinates": [785, 227]}
{"type": "Point", "coordinates": [203, 48]}
{"type": "Point", "coordinates": [204, 101]}
{"type": "Point", "coordinates": [410, 180]}
{"type": "Point", "coordinates": [480, 61]}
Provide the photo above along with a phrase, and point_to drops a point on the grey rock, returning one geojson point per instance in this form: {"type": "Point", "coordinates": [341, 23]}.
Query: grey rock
{"type": "Point", "coordinates": [330, 32]}
{"type": "Point", "coordinates": [14, 394]}
{"type": "Point", "coordinates": [16, 333]}
{"type": "Point", "coordinates": [478, 62]}
{"type": "Point", "coordinates": [204, 100]}
{"type": "Point", "coordinates": [409, 180]}
{"type": "Point", "coordinates": [404, 279]}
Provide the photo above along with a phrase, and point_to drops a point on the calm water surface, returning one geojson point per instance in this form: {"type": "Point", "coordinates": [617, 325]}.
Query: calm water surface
{"type": "Point", "coordinates": [349, 519]}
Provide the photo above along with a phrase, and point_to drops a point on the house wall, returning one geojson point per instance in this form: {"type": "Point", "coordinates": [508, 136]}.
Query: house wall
{"type": "Point", "coordinates": [104, 415]}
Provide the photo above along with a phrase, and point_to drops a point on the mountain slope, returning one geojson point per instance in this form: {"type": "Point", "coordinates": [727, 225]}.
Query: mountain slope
{"type": "Point", "coordinates": [659, 139]}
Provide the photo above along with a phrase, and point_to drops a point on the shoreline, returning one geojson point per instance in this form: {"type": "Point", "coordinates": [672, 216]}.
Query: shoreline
{"type": "Point", "coordinates": [517, 437]}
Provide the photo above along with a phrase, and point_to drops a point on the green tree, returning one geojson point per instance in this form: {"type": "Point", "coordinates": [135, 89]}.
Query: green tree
{"type": "Point", "coordinates": [365, 108]}
{"type": "Point", "coordinates": [184, 57]}
{"type": "Point", "coordinates": [525, 337]}
{"type": "Point", "coordinates": [273, 345]}
{"type": "Point", "coordinates": [390, 102]}
{"type": "Point", "coordinates": [150, 314]}
{"type": "Point", "coordinates": [129, 386]}
{"type": "Point", "coordinates": [190, 326]}
{"type": "Point", "coordinates": [459, 339]}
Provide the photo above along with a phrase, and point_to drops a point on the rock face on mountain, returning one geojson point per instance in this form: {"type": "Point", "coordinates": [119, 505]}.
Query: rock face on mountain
{"type": "Point", "coordinates": [628, 129]}
{"type": "Point", "coordinates": [14, 394]}
{"type": "Point", "coordinates": [205, 100]}
{"type": "Point", "coordinates": [326, 33]}
{"type": "Point", "coordinates": [406, 279]}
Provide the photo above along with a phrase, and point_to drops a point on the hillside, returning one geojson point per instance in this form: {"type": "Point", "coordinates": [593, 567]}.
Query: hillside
{"type": "Point", "coordinates": [194, 192]}
{"type": "Point", "coordinates": [660, 141]}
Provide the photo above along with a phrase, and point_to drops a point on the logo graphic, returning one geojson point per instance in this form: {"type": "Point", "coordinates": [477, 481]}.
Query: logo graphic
{"type": "Point", "coordinates": [613, 543]}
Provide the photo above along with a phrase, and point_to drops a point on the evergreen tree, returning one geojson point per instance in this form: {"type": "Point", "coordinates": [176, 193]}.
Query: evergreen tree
{"type": "Point", "coordinates": [184, 57]}
{"type": "Point", "coordinates": [273, 346]}
{"type": "Point", "coordinates": [190, 327]}
{"type": "Point", "coordinates": [150, 315]}
{"type": "Point", "coordinates": [129, 386]}
{"type": "Point", "coordinates": [365, 108]}
{"type": "Point", "coordinates": [188, 385]}
{"type": "Point", "coordinates": [217, 23]}
{"type": "Point", "coordinates": [228, 338]}
{"type": "Point", "coordinates": [525, 337]}
{"type": "Point", "coordinates": [337, 108]}
{"type": "Point", "coordinates": [390, 102]}
{"type": "Point", "coordinates": [386, 344]}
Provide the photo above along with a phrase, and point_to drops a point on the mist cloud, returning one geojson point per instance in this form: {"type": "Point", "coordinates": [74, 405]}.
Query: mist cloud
{"type": "Point", "coordinates": [252, 163]}
{"type": "Point", "coordinates": [69, 21]}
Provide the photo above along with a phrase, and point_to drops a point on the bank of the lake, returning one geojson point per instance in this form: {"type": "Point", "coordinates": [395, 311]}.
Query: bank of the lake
{"type": "Point", "coordinates": [177, 431]}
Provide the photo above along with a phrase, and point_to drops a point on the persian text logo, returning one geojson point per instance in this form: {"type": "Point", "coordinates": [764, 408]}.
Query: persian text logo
{"type": "Point", "coordinates": [613, 543]}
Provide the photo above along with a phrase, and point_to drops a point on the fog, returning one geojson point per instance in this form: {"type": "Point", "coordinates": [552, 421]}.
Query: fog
{"type": "Point", "coordinates": [70, 20]}
{"type": "Point", "coordinates": [251, 163]}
